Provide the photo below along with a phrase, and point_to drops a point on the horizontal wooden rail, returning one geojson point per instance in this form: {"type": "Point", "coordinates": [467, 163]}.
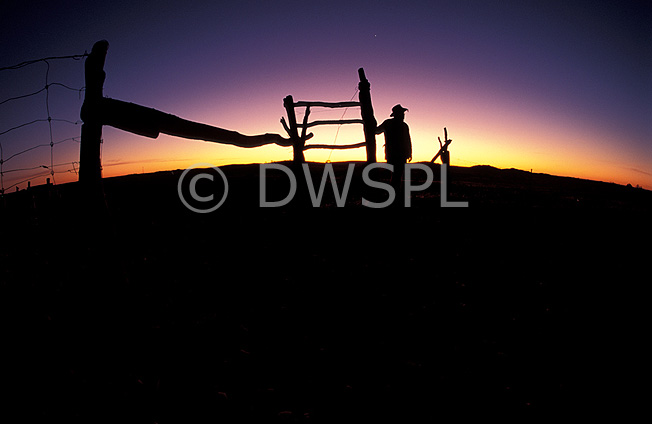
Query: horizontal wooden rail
{"type": "Point", "coordinates": [333, 146]}
{"type": "Point", "coordinates": [331, 122]}
{"type": "Point", "coordinates": [327, 104]}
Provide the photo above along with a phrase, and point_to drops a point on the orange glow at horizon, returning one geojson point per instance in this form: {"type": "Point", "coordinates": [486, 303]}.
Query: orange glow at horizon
{"type": "Point", "coordinates": [560, 88]}
{"type": "Point", "coordinates": [470, 147]}
{"type": "Point", "coordinates": [527, 147]}
{"type": "Point", "coordinates": [485, 129]}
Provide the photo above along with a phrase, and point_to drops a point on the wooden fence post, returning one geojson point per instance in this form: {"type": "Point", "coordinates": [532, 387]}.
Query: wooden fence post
{"type": "Point", "coordinates": [90, 166]}
{"type": "Point", "coordinates": [297, 142]}
{"type": "Point", "coordinates": [443, 149]}
{"type": "Point", "coordinates": [367, 113]}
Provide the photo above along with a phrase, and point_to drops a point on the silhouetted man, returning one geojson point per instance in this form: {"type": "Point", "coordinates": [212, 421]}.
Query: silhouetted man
{"type": "Point", "coordinates": [398, 145]}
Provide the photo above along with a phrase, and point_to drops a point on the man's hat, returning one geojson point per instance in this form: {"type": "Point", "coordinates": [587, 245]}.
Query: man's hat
{"type": "Point", "coordinates": [398, 109]}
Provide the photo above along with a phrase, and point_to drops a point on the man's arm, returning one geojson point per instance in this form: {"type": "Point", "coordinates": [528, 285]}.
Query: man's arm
{"type": "Point", "coordinates": [380, 128]}
{"type": "Point", "coordinates": [408, 140]}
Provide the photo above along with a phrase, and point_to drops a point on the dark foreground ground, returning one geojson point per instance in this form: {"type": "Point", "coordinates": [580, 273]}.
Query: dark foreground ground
{"type": "Point", "coordinates": [529, 302]}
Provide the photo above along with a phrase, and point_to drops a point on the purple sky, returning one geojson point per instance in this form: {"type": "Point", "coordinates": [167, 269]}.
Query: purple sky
{"type": "Point", "coordinates": [561, 87]}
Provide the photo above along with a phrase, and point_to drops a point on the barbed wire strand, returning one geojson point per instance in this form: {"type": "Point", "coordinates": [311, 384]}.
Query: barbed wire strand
{"type": "Point", "coordinates": [58, 84]}
{"type": "Point", "coordinates": [22, 125]}
{"type": "Point", "coordinates": [40, 145]}
{"type": "Point", "coordinates": [28, 179]}
{"type": "Point", "coordinates": [26, 169]}
{"type": "Point", "coordinates": [39, 120]}
{"type": "Point", "coordinates": [23, 96]}
{"type": "Point", "coordinates": [340, 126]}
{"type": "Point", "coordinates": [44, 173]}
{"type": "Point", "coordinates": [30, 62]}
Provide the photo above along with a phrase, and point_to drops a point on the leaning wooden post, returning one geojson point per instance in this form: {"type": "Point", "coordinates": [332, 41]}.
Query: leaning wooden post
{"type": "Point", "coordinates": [297, 142]}
{"type": "Point", "coordinates": [90, 166]}
{"type": "Point", "coordinates": [445, 154]}
{"type": "Point", "coordinates": [367, 113]}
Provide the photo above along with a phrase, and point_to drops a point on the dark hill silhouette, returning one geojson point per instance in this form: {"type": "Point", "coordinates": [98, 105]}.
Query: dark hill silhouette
{"type": "Point", "coordinates": [528, 301]}
{"type": "Point", "coordinates": [484, 186]}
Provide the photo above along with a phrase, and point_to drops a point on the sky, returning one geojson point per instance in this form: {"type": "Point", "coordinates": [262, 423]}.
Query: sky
{"type": "Point", "coordinates": [558, 87]}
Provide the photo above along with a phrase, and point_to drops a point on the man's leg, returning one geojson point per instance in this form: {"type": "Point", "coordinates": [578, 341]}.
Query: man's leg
{"type": "Point", "coordinates": [397, 183]}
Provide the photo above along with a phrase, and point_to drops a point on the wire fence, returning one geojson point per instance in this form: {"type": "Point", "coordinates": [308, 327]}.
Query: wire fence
{"type": "Point", "coordinates": [25, 157]}
{"type": "Point", "coordinates": [22, 157]}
